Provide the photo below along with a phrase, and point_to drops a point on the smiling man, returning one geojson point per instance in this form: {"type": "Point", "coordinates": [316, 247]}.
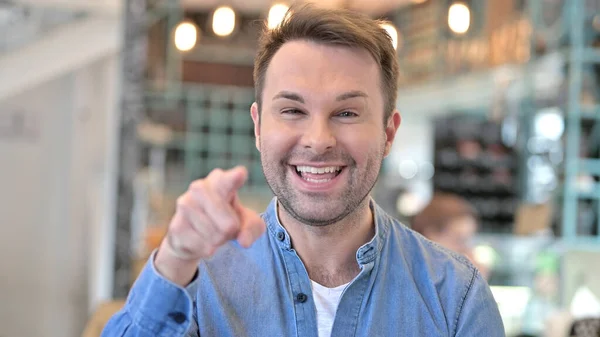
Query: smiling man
{"type": "Point", "coordinates": [323, 259]}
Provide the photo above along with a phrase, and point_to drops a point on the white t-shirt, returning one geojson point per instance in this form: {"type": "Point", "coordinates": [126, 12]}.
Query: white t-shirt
{"type": "Point", "coordinates": [326, 303]}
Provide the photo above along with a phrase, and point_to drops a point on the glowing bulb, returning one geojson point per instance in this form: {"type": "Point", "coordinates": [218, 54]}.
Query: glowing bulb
{"type": "Point", "coordinates": [459, 18]}
{"type": "Point", "coordinates": [484, 254]}
{"type": "Point", "coordinates": [276, 15]}
{"type": "Point", "coordinates": [223, 22]}
{"type": "Point", "coordinates": [409, 204]}
{"type": "Point", "coordinates": [549, 124]}
{"type": "Point", "coordinates": [408, 169]}
{"type": "Point", "coordinates": [186, 36]}
{"type": "Point", "coordinates": [427, 170]}
{"type": "Point", "coordinates": [392, 32]}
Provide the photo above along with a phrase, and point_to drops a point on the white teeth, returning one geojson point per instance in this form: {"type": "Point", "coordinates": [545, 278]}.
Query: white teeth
{"type": "Point", "coordinates": [317, 181]}
{"type": "Point", "coordinates": [318, 170]}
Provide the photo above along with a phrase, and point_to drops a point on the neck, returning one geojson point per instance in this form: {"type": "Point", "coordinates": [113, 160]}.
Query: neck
{"type": "Point", "coordinates": [329, 252]}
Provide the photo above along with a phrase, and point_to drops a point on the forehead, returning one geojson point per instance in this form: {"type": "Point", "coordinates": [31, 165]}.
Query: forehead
{"type": "Point", "coordinates": [317, 68]}
{"type": "Point", "coordinates": [464, 225]}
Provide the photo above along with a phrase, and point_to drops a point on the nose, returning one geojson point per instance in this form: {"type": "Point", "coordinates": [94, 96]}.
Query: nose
{"type": "Point", "coordinates": [318, 136]}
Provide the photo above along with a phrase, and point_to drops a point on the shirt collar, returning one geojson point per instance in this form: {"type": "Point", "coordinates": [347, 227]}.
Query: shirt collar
{"type": "Point", "coordinates": [365, 254]}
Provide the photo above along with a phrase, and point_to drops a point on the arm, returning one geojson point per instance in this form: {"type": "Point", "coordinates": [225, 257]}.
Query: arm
{"type": "Point", "coordinates": [479, 315]}
{"type": "Point", "coordinates": [155, 307]}
{"type": "Point", "coordinates": [208, 215]}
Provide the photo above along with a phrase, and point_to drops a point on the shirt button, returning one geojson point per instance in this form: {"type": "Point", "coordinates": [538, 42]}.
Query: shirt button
{"type": "Point", "coordinates": [178, 317]}
{"type": "Point", "coordinates": [301, 297]}
{"type": "Point", "coordinates": [280, 236]}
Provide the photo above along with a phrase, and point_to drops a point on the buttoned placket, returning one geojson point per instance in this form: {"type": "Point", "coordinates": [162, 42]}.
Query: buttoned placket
{"type": "Point", "coordinates": [349, 308]}
{"type": "Point", "coordinates": [301, 291]}
{"type": "Point", "coordinates": [351, 301]}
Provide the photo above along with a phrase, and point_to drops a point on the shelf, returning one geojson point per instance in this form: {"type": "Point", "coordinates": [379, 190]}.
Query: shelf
{"type": "Point", "coordinates": [590, 166]}
{"type": "Point", "coordinates": [471, 162]}
{"type": "Point", "coordinates": [592, 193]}
{"type": "Point", "coordinates": [591, 55]}
{"type": "Point", "coordinates": [590, 112]}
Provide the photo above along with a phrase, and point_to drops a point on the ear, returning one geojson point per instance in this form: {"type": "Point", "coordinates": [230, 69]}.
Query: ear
{"type": "Point", "coordinates": [390, 131]}
{"type": "Point", "coordinates": [256, 119]}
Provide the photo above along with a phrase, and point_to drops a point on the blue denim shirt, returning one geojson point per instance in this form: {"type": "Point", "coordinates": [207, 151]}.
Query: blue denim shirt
{"type": "Point", "coordinates": [407, 286]}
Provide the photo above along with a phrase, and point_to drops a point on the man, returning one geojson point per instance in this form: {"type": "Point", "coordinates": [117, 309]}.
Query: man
{"type": "Point", "coordinates": [331, 262]}
{"type": "Point", "coordinates": [452, 222]}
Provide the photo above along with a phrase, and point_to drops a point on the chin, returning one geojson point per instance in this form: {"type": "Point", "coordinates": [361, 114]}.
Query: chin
{"type": "Point", "coordinates": [315, 211]}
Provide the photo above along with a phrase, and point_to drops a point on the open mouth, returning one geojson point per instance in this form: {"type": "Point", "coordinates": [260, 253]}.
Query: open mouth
{"type": "Point", "coordinates": [318, 175]}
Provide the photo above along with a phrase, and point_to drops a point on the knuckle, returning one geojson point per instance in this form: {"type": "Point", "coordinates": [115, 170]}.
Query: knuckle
{"type": "Point", "coordinates": [181, 200]}
{"type": "Point", "coordinates": [198, 185]}
{"type": "Point", "coordinates": [177, 229]}
{"type": "Point", "coordinates": [229, 228]}
{"type": "Point", "coordinates": [215, 173]}
{"type": "Point", "coordinates": [208, 250]}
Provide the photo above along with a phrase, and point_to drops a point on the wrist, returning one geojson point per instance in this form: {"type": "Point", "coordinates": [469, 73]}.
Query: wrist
{"type": "Point", "coordinates": [173, 268]}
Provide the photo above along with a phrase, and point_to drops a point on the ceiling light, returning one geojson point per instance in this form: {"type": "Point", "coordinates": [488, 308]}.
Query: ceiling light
{"type": "Point", "coordinates": [186, 36]}
{"type": "Point", "coordinates": [276, 15]}
{"type": "Point", "coordinates": [223, 22]}
{"type": "Point", "coordinates": [459, 18]}
{"type": "Point", "coordinates": [392, 32]}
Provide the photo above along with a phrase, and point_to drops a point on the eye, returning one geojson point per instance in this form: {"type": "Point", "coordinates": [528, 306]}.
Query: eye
{"type": "Point", "coordinates": [347, 114]}
{"type": "Point", "coordinates": [292, 112]}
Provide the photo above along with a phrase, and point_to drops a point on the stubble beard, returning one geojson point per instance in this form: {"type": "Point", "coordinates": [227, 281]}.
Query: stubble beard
{"type": "Point", "coordinates": [354, 194]}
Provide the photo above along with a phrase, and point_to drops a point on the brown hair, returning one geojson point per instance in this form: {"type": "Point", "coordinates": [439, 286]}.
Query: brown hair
{"type": "Point", "coordinates": [337, 27]}
{"type": "Point", "coordinates": [441, 210]}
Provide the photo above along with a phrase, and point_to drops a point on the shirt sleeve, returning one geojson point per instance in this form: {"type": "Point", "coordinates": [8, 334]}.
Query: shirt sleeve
{"type": "Point", "coordinates": [155, 306]}
{"type": "Point", "coordinates": [479, 314]}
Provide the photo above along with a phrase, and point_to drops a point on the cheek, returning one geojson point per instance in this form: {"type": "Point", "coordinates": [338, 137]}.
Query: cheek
{"type": "Point", "coordinates": [363, 146]}
{"type": "Point", "coordinates": [276, 139]}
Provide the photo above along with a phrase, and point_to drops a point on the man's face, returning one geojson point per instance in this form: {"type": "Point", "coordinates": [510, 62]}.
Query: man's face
{"type": "Point", "coordinates": [321, 134]}
{"type": "Point", "coordinates": [457, 234]}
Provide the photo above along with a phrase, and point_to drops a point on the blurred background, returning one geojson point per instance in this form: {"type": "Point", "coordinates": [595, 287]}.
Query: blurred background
{"type": "Point", "coordinates": [109, 108]}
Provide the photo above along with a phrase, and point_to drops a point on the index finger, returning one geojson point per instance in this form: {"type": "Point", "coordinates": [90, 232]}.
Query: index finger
{"type": "Point", "coordinates": [230, 181]}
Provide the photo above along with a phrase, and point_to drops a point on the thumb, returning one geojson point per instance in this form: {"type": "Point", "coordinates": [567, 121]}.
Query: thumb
{"type": "Point", "coordinates": [232, 180]}
{"type": "Point", "coordinates": [253, 226]}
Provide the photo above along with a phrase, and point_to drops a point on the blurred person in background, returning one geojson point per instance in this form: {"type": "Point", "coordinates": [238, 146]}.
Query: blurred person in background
{"type": "Point", "coordinates": [452, 222]}
{"type": "Point", "coordinates": [324, 259]}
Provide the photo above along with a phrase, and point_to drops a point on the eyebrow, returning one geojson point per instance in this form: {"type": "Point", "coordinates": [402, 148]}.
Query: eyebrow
{"type": "Point", "coordinates": [351, 94]}
{"type": "Point", "coordinates": [342, 97]}
{"type": "Point", "coordinates": [289, 95]}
